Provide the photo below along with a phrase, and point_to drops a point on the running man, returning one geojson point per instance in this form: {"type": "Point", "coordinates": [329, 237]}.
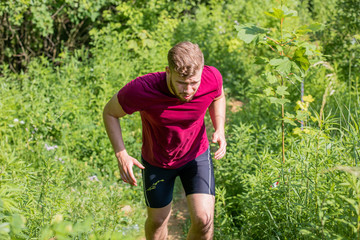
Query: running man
{"type": "Point", "coordinates": [172, 105]}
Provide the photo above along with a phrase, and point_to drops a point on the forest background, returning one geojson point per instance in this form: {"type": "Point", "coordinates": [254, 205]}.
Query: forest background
{"type": "Point", "coordinates": [291, 76]}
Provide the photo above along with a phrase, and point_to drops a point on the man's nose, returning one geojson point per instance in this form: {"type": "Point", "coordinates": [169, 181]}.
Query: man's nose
{"type": "Point", "coordinates": [187, 89]}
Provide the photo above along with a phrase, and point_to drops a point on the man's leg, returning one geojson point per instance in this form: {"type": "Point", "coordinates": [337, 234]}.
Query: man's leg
{"type": "Point", "coordinates": [201, 208]}
{"type": "Point", "coordinates": [158, 191]}
{"type": "Point", "coordinates": [156, 223]}
{"type": "Point", "coordinates": [198, 180]}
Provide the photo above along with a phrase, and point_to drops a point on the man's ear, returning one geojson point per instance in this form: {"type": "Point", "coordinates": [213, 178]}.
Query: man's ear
{"type": "Point", "coordinates": [167, 69]}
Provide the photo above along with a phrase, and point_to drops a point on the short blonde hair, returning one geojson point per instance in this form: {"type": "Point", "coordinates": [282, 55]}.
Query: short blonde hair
{"type": "Point", "coordinates": [186, 59]}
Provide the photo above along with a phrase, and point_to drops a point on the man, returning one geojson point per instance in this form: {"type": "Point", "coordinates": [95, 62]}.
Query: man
{"type": "Point", "coordinates": [172, 105]}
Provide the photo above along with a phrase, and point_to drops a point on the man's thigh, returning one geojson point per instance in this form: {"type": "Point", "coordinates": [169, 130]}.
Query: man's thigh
{"type": "Point", "coordinates": [197, 176]}
{"type": "Point", "coordinates": [158, 185]}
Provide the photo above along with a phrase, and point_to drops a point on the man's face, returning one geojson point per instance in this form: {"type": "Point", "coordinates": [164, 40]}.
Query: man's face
{"type": "Point", "coordinates": [183, 88]}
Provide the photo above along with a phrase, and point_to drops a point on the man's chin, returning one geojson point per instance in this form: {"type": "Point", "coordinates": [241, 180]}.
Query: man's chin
{"type": "Point", "coordinates": [185, 100]}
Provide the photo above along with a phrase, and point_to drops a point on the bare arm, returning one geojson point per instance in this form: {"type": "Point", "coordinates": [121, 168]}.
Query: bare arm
{"type": "Point", "coordinates": [111, 114]}
{"type": "Point", "coordinates": [217, 110]}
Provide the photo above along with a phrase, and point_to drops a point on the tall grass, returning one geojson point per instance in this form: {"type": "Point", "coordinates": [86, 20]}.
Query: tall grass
{"type": "Point", "coordinates": [58, 177]}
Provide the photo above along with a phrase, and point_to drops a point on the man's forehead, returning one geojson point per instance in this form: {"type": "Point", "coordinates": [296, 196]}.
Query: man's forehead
{"type": "Point", "coordinates": [194, 78]}
{"type": "Point", "coordinates": [190, 79]}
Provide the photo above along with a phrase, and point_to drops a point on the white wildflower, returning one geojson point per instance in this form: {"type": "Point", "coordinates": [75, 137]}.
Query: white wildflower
{"type": "Point", "coordinates": [93, 178]}
{"type": "Point", "coordinates": [59, 159]}
{"type": "Point", "coordinates": [16, 120]}
{"type": "Point", "coordinates": [353, 41]}
{"type": "Point", "coordinates": [49, 148]}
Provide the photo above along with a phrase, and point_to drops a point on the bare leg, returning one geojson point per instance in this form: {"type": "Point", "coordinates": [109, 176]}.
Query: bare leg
{"type": "Point", "coordinates": [201, 208]}
{"type": "Point", "coordinates": [156, 223]}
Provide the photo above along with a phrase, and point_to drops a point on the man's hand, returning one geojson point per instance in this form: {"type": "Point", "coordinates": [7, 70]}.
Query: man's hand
{"type": "Point", "coordinates": [219, 138]}
{"type": "Point", "coordinates": [125, 164]}
{"type": "Point", "coordinates": [111, 114]}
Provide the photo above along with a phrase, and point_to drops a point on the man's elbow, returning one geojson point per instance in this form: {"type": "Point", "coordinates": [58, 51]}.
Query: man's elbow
{"type": "Point", "coordinates": [107, 111]}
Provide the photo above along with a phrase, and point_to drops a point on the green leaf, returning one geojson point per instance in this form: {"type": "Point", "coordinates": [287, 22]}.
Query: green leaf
{"type": "Point", "coordinates": [17, 223]}
{"type": "Point", "coordinates": [261, 60]}
{"type": "Point", "coordinates": [149, 43]}
{"type": "Point", "coordinates": [276, 61]}
{"type": "Point", "coordinates": [276, 13]}
{"type": "Point", "coordinates": [315, 27]}
{"type": "Point", "coordinates": [308, 98]}
{"type": "Point", "coordinates": [289, 118]}
{"type": "Point", "coordinates": [4, 227]}
{"type": "Point", "coordinates": [282, 65]}
{"type": "Point", "coordinates": [271, 78]}
{"type": "Point", "coordinates": [306, 232]}
{"type": "Point", "coordinates": [279, 48]}
{"type": "Point", "coordinates": [287, 37]}
{"type": "Point", "coordinates": [301, 115]}
{"type": "Point", "coordinates": [301, 59]}
{"type": "Point", "coordinates": [289, 115]}
{"type": "Point", "coordinates": [310, 48]}
{"type": "Point", "coordinates": [269, 91]}
{"type": "Point", "coordinates": [296, 68]}
{"type": "Point", "coordinates": [278, 100]}
{"type": "Point", "coordinates": [309, 28]}
{"type": "Point", "coordinates": [249, 32]}
{"type": "Point", "coordinates": [281, 13]}
{"type": "Point", "coordinates": [289, 13]}
{"type": "Point", "coordinates": [350, 224]}
{"type": "Point", "coordinates": [132, 44]}
{"type": "Point", "coordinates": [291, 122]}
{"type": "Point", "coordinates": [281, 90]}
{"type": "Point", "coordinates": [142, 35]}
{"type": "Point", "coordinates": [94, 15]}
{"type": "Point", "coordinates": [298, 78]}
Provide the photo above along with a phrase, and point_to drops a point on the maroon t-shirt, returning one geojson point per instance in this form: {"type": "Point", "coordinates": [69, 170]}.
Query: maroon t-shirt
{"type": "Point", "coordinates": [173, 131]}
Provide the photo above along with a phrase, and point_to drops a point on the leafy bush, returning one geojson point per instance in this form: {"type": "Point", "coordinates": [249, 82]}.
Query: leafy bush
{"type": "Point", "coordinates": [45, 28]}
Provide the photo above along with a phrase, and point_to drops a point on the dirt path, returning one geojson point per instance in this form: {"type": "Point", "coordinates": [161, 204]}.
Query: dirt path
{"type": "Point", "coordinates": [178, 218]}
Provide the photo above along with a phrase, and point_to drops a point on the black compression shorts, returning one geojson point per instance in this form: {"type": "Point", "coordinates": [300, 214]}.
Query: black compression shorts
{"type": "Point", "coordinates": [196, 176]}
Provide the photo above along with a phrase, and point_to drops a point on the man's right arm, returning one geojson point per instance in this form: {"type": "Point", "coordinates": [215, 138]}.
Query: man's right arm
{"type": "Point", "coordinates": [111, 114]}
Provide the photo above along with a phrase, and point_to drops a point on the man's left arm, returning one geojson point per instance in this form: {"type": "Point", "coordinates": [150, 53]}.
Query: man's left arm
{"type": "Point", "coordinates": [217, 110]}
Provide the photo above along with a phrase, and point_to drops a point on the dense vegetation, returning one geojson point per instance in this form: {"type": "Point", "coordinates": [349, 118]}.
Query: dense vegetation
{"type": "Point", "coordinates": [291, 75]}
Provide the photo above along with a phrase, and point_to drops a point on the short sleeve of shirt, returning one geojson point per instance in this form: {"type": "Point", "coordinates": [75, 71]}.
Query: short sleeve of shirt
{"type": "Point", "coordinates": [138, 93]}
{"type": "Point", "coordinates": [127, 96]}
{"type": "Point", "coordinates": [219, 80]}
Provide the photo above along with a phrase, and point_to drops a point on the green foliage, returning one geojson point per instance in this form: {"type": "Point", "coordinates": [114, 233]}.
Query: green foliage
{"type": "Point", "coordinates": [300, 199]}
{"type": "Point", "coordinates": [45, 28]}
{"type": "Point", "coordinates": [56, 155]}
{"type": "Point", "coordinates": [58, 175]}
{"type": "Point", "coordinates": [341, 39]}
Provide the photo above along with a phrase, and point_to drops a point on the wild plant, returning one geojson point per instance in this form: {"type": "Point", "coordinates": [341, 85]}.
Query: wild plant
{"type": "Point", "coordinates": [289, 61]}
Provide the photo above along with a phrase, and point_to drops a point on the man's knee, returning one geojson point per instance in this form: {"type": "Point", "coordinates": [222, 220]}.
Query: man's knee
{"type": "Point", "coordinates": [157, 222]}
{"type": "Point", "coordinates": [203, 222]}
